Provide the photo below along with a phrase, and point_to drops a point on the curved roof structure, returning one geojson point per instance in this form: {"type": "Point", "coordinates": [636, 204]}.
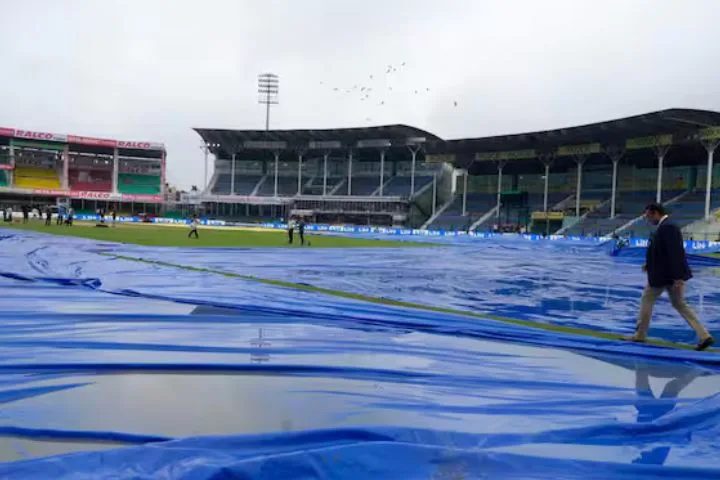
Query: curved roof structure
{"type": "Point", "coordinates": [636, 134]}
{"type": "Point", "coordinates": [678, 122]}
{"type": "Point", "coordinates": [225, 141]}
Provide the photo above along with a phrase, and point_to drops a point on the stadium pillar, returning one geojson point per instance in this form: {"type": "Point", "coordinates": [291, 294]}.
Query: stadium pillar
{"type": "Point", "coordinates": [300, 159]}
{"type": "Point", "coordinates": [661, 152]}
{"type": "Point", "coordinates": [12, 164]}
{"type": "Point", "coordinates": [710, 147]}
{"type": "Point", "coordinates": [232, 174]}
{"type": "Point", "coordinates": [277, 168]}
{"type": "Point", "coordinates": [614, 187]}
{"type": "Point", "coordinates": [65, 156]}
{"type": "Point", "coordinates": [206, 150]}
{"type": "Point", "coordinates": [499, 190]}
{"type": "Point", "coordinates": [413, 152]}
{"type": "Point", "coordinates": [349, 178]}
{"type": "Point", "coordinates": [382, 171]}
{"type": "Point", "coordinates": [325, 161]}
{"type": "Point", "coordinates": [434, 200]}
{"type": "Point", "coordinates": [580, 160]}
{"type": "Point", "coordinates": [115, 170]}
{"type": "Point", "coordinates": [464, 204]}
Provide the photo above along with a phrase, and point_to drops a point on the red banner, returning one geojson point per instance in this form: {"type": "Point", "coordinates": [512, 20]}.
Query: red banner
{"type": "Point", "coordinates": [6, 166]}
{"type": "Point", "coordinates": [141, 198]}
{"type": "Point", "coordinates": [96, 142]}
{"type": "Point", "coordinates": [80, 140]}
{"type": "Point", "coordinates": [46, 136]}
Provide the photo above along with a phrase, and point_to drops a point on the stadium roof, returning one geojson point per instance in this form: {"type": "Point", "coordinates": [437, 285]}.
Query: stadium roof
{"type": "Point", "coordinates": [226, 141]}
{"type": "Point", "coordinates": [676, 121]}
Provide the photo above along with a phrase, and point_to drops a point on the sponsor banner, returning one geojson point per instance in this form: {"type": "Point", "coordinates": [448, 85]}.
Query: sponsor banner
{"type": "Point", "coordinates": [324, 145]}
{"type": "Point", "coordinates": [140, 145]}
{"type": "Point", "coordinates": [511, 155]}
{"type": "Point", "coordinates": [649, 142]}
{"type": "Point", "coordinates": [374, 143]}
{"type": "Point", "coordinates": [711, 133]}
{"type": "Point", "coordinates": [548, 215]}
{"type": "Point", "coordinates": [440, 158]}
{"type": "Point", "coordinates": [7, 132]}
{"type": "Point", "coordinates": [95, 142]}
{"type": "Point", "coordinates": [6, 166]}
{"type": "Point", "coordinates": [264, 145]}
{"type": "Point", "coordinates": [45, 136]}
{"type": "Point", "coordinates": [125, 197]}
{"type": "Point", "coordinates": [587, 149]}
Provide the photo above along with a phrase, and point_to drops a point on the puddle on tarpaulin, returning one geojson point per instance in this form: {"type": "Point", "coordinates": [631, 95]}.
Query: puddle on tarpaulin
{"type": "Point", "coordinates": [463, 385]}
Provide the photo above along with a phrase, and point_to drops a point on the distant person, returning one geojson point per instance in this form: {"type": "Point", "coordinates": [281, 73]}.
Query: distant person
{"type": "Point", "coordinates": [667, 270]}
{"type": "Point", "coordinates": [48, 216]}
{"type": "Point", "coordinates": [26, 213]}
{"type": "Point", "coordinates": [10, 214]}
{"type": "Point", "coordinates": [60, 215]}
{"type": "Point", "coordinates": [114, 217]}
{"type": "Point", "coordinates": [193, 228]}
{"type": "Point", "coordinates": [69, 217]}
{"type": "Point", "coordinates": [291, 230]}
{"type": "Point", "coordinates": [301, 230]}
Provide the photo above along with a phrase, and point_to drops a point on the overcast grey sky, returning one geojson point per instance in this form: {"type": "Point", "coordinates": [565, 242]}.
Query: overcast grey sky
{"type": "Point", "coordinates": [151, 70]}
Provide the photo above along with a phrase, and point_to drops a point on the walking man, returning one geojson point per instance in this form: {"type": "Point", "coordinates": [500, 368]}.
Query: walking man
{"type": "Point", "coordinates": [193, 227]}
{"type": "Point", "coordinates": [667, 270]}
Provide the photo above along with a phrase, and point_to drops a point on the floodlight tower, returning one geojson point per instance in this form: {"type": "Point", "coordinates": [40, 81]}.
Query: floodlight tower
{"type": "Point", "coordinates": [268, 89]}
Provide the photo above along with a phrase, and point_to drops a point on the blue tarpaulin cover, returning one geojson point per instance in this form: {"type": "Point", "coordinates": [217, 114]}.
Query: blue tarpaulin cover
{"type": "Point", "coordinates": [117, 368]}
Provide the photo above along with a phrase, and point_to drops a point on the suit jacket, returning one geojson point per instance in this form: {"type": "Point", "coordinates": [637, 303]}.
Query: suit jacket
{"type": "Point", "coordinates": [665, 257]}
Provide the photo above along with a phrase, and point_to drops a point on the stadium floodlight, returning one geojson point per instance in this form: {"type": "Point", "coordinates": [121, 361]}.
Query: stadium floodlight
{"type": "Point", "coordinates": [268, 89]}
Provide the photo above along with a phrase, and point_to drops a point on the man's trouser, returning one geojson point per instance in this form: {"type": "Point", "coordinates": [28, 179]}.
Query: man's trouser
{"type": "Point", "coordinates": [677, 299]}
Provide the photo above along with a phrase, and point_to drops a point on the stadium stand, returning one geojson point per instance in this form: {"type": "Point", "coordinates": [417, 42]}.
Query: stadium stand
{"type": "Point", "coordinates": [244, 184]}
{"type": "Point", "coordinates": [315, 186]}
{"type": "Point", "coordinates": [286, 186]}
{"type": "Point", "coordinates": [363, 186]}
{"type": "Point", "coordinates": [400, 185]}
{"type": "Point", "coordinates": [530, 163]}
{"type": "Point", "coordinates": [90, 180]}
{"type": "Point", "coordinates": [131, 183]}
{"type": "Point", "coordinates": [36, 177]}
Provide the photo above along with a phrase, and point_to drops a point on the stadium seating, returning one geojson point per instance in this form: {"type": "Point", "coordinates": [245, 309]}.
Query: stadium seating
{"type": "Point", "coordinates": [362, 186]}
{"type": "Point", "coordinates": [4, 179]}
{"type": "Point", "coordinates": [94, 181]}
{"type": "Point", "coordinates": [287, 186]}
{"type": "Point", "coordinates": [400, 186]}
{"type": "Point", "coordinates": [244, 184]}
{"type": "Point", "coordinates": [131, 183]}
{"type": "Point", "coordinates": [478, 204]}
{"type": "Point", "coordinates": [316, 185]}
{"type": "Point", "coordinates": [36, 177]}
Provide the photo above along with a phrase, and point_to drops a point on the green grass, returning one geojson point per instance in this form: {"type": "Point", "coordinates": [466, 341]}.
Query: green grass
{"type": "Point", "coordinates": [397, 303]}
{"type": "Point", "coordinates": [174, 236]}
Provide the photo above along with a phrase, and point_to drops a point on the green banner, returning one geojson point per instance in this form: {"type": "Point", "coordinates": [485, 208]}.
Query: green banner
{"type": "Point", "coordinates": [37, 144]}
{"type": "Point", "coordinates": [512, 155]}
{"type": "Point", "coordinates": [712, 133]}
{"type": "Point", "coordinates": [649, 142]}
{"type": "Point", "coordinates": [587, 149]}
{"type": "Point", "coordinates": [440, 158]}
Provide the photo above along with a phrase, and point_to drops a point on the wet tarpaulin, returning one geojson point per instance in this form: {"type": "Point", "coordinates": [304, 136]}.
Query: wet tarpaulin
{"type": "Point", "coordinates": [112, 367]}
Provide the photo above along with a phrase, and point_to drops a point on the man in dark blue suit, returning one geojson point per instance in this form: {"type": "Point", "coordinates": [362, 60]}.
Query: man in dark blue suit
{"type": "Point", "coordinates": [667, 270]}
